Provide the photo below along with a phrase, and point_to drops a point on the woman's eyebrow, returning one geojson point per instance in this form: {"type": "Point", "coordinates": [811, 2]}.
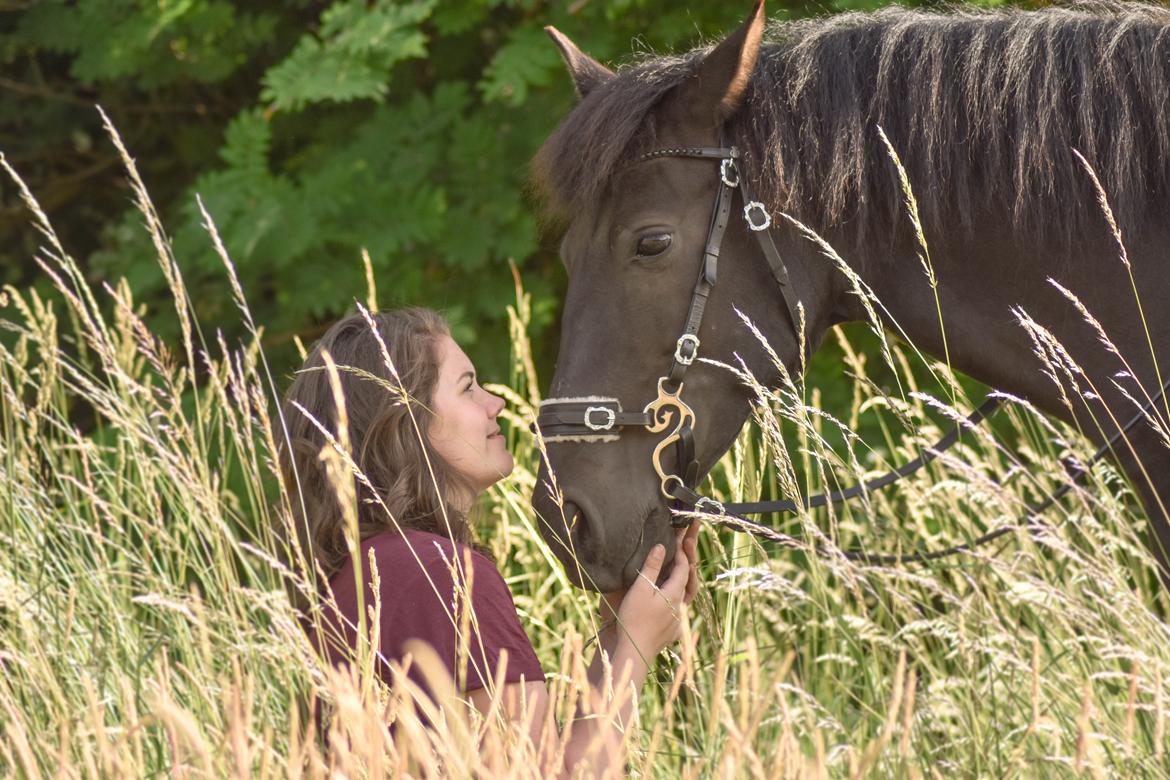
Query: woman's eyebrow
{"type": "Point", "coordinates": [466, 374]}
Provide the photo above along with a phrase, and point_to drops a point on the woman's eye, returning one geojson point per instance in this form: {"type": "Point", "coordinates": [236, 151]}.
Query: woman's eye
{"type": "Point", "coordinates": [655, 244]}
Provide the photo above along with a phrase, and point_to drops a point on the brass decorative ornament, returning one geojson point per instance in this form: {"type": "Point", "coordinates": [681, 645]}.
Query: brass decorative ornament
{"type": "Point", "coordinates": [664, 410]}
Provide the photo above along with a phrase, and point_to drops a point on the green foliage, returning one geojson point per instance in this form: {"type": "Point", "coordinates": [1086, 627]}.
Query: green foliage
{"type": "Point", "coordinates": [149, 44]}
{"type": "Point", "coordinates": [357, 46]}
{"type": "Point", "coordinates": [311, 132]}
{"type": "Point", "coordinates": [526, 60]}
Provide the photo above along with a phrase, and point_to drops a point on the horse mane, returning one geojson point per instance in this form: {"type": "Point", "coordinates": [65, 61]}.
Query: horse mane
{"type": "Point", "coordinates": [984, 108]}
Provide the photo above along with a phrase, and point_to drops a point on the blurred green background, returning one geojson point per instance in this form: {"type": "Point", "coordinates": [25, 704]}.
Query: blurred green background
{"type": "Point", "coordinates": [312, 130]}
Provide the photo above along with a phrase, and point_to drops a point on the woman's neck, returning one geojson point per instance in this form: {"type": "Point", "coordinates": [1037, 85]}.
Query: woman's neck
{"type": "Point", "coordinates": [463, 501]}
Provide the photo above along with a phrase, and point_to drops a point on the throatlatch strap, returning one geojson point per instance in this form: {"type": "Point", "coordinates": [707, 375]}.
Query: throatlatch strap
{"type": "Point", "coordinates": [772, 255]}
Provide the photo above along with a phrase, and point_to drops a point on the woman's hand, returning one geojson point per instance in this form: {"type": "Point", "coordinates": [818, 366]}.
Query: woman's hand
{"type": "Point", "coordinates": [687, 539]}
{"type": "Point", "coordinates": [648, 615]}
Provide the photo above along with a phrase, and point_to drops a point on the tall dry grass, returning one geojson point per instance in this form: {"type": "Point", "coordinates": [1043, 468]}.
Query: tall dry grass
{"type": "Point", "coordinates": [146, 629]}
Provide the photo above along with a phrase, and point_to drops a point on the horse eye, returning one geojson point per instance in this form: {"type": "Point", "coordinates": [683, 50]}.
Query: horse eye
{"type": "Point", "coordinates": [655, 244]}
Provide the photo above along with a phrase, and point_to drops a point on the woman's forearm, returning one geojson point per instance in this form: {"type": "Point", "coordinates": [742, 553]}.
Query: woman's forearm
{"type": "Point", "coordinates": [607, 639]}
{"type": "Point", "coordinates": [596, 729]}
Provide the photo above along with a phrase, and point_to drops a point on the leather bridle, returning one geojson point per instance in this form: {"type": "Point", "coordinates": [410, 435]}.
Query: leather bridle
{"type": "Point", "coordinates": [599, 419]}
{"type": "Point", "coordinates": [594, 419]}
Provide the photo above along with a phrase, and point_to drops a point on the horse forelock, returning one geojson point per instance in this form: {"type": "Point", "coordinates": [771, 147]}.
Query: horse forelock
{"type": "Point", "coordinates": [984, 109]}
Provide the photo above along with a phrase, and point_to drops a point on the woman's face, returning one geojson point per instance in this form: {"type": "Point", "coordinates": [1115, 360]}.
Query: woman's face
{"type": "Point", "coordinates": [465, 432]}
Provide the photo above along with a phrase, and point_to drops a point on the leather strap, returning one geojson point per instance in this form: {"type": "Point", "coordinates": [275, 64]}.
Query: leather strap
{"type": "Point", "coordinates": [688, 496]}
{"type": "Point", "coordinates": [708, 272]}
{"type": "Point", "coordinates": [570, 417]}
{"type": "Point", "coordinates": [1029, 520]}
{"type": "Point", "coordinates": [590, 416]}
{"type": "Point", "coordinates": [581, 418]}
{"type": "Point", "coordinates": [703, 152]}
{"type": "Point", "coordinates": [985, 409]}
{"type": "Point", "coordinates": [775, 262]}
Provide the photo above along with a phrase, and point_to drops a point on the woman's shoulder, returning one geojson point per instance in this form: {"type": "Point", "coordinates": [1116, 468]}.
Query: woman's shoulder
{"type": "Point", "coordinates": [414, 550]}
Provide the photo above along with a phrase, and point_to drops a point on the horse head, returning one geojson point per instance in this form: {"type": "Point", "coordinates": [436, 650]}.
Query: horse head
{"type": "Point", "coordinates": [635, 169]}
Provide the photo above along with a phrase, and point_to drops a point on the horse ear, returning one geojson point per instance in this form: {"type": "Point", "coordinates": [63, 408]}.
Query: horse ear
{"type": "Point", "coordinates": [722, 79]}
{"type": "Point", "coordinates": [587, 72]}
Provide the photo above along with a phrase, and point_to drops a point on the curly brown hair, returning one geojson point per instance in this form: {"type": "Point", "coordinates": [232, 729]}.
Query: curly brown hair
{"type": "Point", "coordinates": [406, 484]}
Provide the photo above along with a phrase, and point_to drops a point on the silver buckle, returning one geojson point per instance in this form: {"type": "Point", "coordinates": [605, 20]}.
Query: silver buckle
{"type": "Point", "coordinates": [686, 338]}
{"type": "Point", "coordinates": [716, 507]}
{"type": "Point", "coordinates": [757, 206]}
{"type": "Point", "coordinates": [726, 168]}
{"type": "Point", "coordinates": [611, 418]}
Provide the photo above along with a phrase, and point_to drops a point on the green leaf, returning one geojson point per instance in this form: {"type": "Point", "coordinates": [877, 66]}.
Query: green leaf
{"type": "Point", "coordinates": [352, 57]}
{"type": "Point", "coordinates": [246, 144]}
{"type": "Point", "coordinates": [453, 18]}
{"type": "Point", "coordinates": [527, 60]}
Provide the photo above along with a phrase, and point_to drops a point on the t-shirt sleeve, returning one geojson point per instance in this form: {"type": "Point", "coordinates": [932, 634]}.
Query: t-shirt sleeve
{"type": "Point", "coordinates": [495, 627]}
{"type": "Point", "coordinates": [429, 610]}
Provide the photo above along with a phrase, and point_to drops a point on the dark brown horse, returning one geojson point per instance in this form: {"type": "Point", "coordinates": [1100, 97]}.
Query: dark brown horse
{"type": "Point", "coordinates": [985, 109]}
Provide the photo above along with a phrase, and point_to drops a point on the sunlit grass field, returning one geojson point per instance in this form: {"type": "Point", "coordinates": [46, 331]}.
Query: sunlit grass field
{"type": "Point", "coordinates": [146, 628]}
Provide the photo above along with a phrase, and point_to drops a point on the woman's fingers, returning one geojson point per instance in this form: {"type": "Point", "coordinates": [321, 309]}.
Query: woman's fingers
{"type": "Point", "coordinates": [653, 563]}
{"type": "Point", "coordinates": [693, 574]}
{"type": "Point", "coordinates": [676, 583]}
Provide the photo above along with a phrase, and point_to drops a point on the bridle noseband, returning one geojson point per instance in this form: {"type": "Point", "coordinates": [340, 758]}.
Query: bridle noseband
{"type": "Point", "coordinates": [599, 419]}
{"type": "Point", "coordinates": [593, 419]}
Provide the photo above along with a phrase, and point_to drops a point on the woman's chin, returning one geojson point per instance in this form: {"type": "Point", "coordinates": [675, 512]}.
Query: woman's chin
{"type": "Point", "coordinates": [503, 467]}
{"type": "Point", "coordinates": [509, 463]}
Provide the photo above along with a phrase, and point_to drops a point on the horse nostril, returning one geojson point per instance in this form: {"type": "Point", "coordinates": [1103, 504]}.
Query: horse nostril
{"type": "Point", "coordinates": [562, 519]}
{"type": "Point", "coordinates": [581, 530]}
{"type": "Point", "coordinates": [573, 517]}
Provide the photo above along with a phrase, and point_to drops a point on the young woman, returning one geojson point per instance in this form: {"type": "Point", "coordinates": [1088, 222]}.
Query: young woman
{"type": "Point", "coordinates": [424, 464]}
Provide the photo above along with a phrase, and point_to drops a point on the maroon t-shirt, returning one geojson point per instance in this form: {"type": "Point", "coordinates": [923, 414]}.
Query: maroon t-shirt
{"type": "Point", "coordinates": [415, 607]}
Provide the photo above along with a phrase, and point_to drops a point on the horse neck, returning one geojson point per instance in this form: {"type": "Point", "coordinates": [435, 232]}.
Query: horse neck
{"type": "Point", "coordinates": [993, 280]}
{"type": "Point", "coordinates": [984, 279]}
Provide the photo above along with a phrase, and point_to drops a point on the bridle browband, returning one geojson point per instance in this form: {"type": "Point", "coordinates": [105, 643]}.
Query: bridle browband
{"type": "Point", "coordinates": [595, 419]}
